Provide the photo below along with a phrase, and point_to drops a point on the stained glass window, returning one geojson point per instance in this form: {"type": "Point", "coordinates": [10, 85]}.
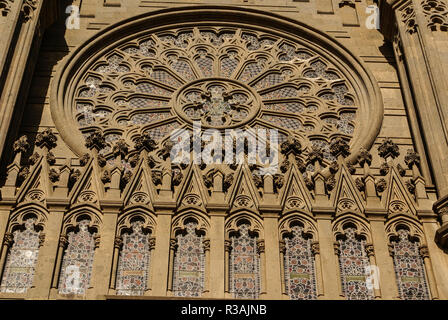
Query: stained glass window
{"type": "Point", "coordinates": [244, 265]}
{"type": "Point", "coordinates": [299, 266]}
{"type": "Point", "coordinates": [78, 261]}
{"type": "Point", "coordinates": [21, 262]}
{"type": "Point", "coordinates": [189, 263]}
{"type": "Point", "coordinates": [134, 262]}
{"type": "Point", "coordinates": [353, 263]}
{"type": "Point", "coordinates": [409, 268]}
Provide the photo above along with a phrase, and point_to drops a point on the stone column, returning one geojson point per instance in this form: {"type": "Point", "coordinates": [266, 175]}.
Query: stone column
{"type": "Point", "coordinates": [385, 263]}
{"type": "Point", "coordinates": [424, 252]}
{"type": "Point", "coordinates": [261, 249]}
{"type": "Point", "coordinates": [318, 269]}
{"type": "Point", "coordinates": [273, 271]}
{"type": "Point", "coordinates": [217, 265]}
{"type": "Point", "coordinates": [160, 268]}
{"type": "Point", "coordinates": [282, 251]}
{"type": "Point", "coordinates": [206, 291]}
{"type": "Point", "coordinates": [329, 261]}
{"type": "Point", "coordinates": [173, 247]}
{"type": "Point", "coordinates": [228, 247]}
{"type": "Point", "coordinates": [118, 242]}
{"type": "Point", "coordinates": [48, 257]}
{"type": "Point", "coordinates": [371, 254]}
{"type": "Point", "coordinates": [7, 243]}
{"type": "Point", "coordinates": [102, 264]}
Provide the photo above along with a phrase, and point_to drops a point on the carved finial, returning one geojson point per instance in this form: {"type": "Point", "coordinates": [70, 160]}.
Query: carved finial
{"type": "Point", "coordinates": [54, 175]}
{"type": "Point", "coordinates": [381, 185]}
{"type": "Point", "coordinates": [292, 144]}
{"type": "Point", "coordinates": [166, 150]}
{"type": "Point", "coordinates": [339, 147]}
{"type": "Point", "coordinates": [388, 149]}
{"type": "Point", "coordinates": [84, 159]}
{"type": "Point", "coordinates": [145, 142]}
{"type": "Point", "coordinates": [106, 177]}
{"type": "Point", "coordinates": [412, 158]}
{"type": "Point", "coordinates": [46, 139]}
{"type": "Point", "coordinates": [120, 148]}
{"type": "Point", "coordinates": [316, 155]}
{"type": "Point", "coordinates": [279, 181]}
{"type": "Point", "coordinates": [96, 141]}
{"type": "Point", "coordinates": [330, 183]}
{"type": "Point", "coordinates": [21, 145]}
{"type": "Point", "coordinates": [364, 157]}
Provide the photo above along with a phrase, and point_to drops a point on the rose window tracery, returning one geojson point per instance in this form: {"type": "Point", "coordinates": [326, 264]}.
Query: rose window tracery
{"type": "Point", "coordinates": [221, 76]}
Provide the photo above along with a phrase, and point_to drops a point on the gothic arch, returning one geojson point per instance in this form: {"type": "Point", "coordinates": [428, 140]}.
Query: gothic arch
{"type": "Point", "coordinates": [233, 222]}
{"type": "Point", "coordinates": [308, 223]}
{"type": "Point", "coordinates": [351, 219]}
{"type": "Point", "coordinates": [20, 214]}
{"type": "Point", "coordinates": [81, 212]}
{"type": "Point", "coordinates": [189, 214]}
{"type": "Point", "coordinates": [135, 213]}
{"type": "Point", "coordinates": [404, 221]}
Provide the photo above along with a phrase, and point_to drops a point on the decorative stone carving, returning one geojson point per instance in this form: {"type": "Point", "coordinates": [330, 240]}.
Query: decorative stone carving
{"type": "Point", "coordinates": [436, 13]}
{"type": "Point", "coordinates": [120, 148]}
{"type": "Point", "coordinates": [384, 169]}
{"type": "Point", "coordinates": [5, 7]}
{"type": "Point", "coordinates": [36, 195]}
{"type": "Point", "coordinates": [54, 175]}
{"type": "Point", "coordinates": [28, 8]}
{"type": "Point", "coordinates": [381, 185]}
{"type": "Point", "coordinates": [74, 176]}
{"type": "Point", "coordinates": [21, 145]}
{"type": "Point", "coordinates": [106, 176]}
{"type": "Point", "coordinates": [279, 181]}
{"type": "Point", "coordinates": [315, 155]}
{"type": "Point", "coordinates": [46, 139]}
{"type": "Point", "coordinates": [401, 170]}
{"type": "Point", "coordinates": [156, 177]}
{"type": "Point", "coordinates": [409, 19]}
{"type": "Point", "coordinates": [85, 158]}
{"type": "Point", "coordinates": [388, 148]}
{"type": "Point", "coordinates": [412, 158]}
{"type": "Point", "coordinates": [228, 181]}
{"type": "Point", "coordinates": [145, 141]}
{"type": "Point", "coordinates": [291, 145]}
{"type": "Point", "coordinates": [34, 158]}
{"type": "Point", "coordinates": [87, 196]}
{"type": "Point", "coordinates": [339, 147]}
{"type": "Point", "coordinates": [364, 157]}
{"type": "Point", "coordinates": [330, 183]}
{"type": "Point", "coordinates": [294, 203]}
{"type": "Point", "coordinates": [51, 159]}
{"type": "Point", "coordinates": [139, 197]}
{"type": "Point", "coordinates": [360, 184]}
{"type": "Point", "coordinates": [96, 141]}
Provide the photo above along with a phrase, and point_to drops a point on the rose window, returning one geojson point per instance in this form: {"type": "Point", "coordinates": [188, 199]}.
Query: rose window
{"type": "Point", "coordinates": [220, 75]}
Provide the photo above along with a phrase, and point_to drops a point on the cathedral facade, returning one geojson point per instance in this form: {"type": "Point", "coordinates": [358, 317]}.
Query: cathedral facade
{"type": "Point", "coordinates": [350, 96]}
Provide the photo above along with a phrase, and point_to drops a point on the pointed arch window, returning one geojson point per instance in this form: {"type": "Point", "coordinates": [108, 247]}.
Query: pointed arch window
{"type": "Point", "coordinates": [20, 265]}
{"type": "Point", "coordinates": [77, 262]}
{"type": "Point", "coordinates": [189, 262]}
{"type": "Point", "coordinates": [134, 261]}
{"type": "Point", "coordinates": [299, 265]}
{"type": "Point", "coordinates": [409, 266]}
{"type": "Point", "coordinates": [354, 265]}
{"type": "Point", "coordinates": [244, 264]}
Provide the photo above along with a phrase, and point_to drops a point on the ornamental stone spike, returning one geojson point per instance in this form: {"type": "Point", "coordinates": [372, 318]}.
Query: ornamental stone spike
{"type": "Point", "coordinates": [120, 149]}
{"type": "Point", "coordinates": [364, 157]}
{"type": "Point", "coordinates": [46, 139]}
{"type": "Point", "coordinates": [145, 142]}
{"type": "Point", "coordinates": [21, 145]}
{"type": "Point", "coordinates": [388, 149]}
{"type": "Point", "coordinates": [96, 141]}
{"type": "Point", "coordinates": [412, 159]}
{"type": "Point", "coordinates": [339, 147]}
